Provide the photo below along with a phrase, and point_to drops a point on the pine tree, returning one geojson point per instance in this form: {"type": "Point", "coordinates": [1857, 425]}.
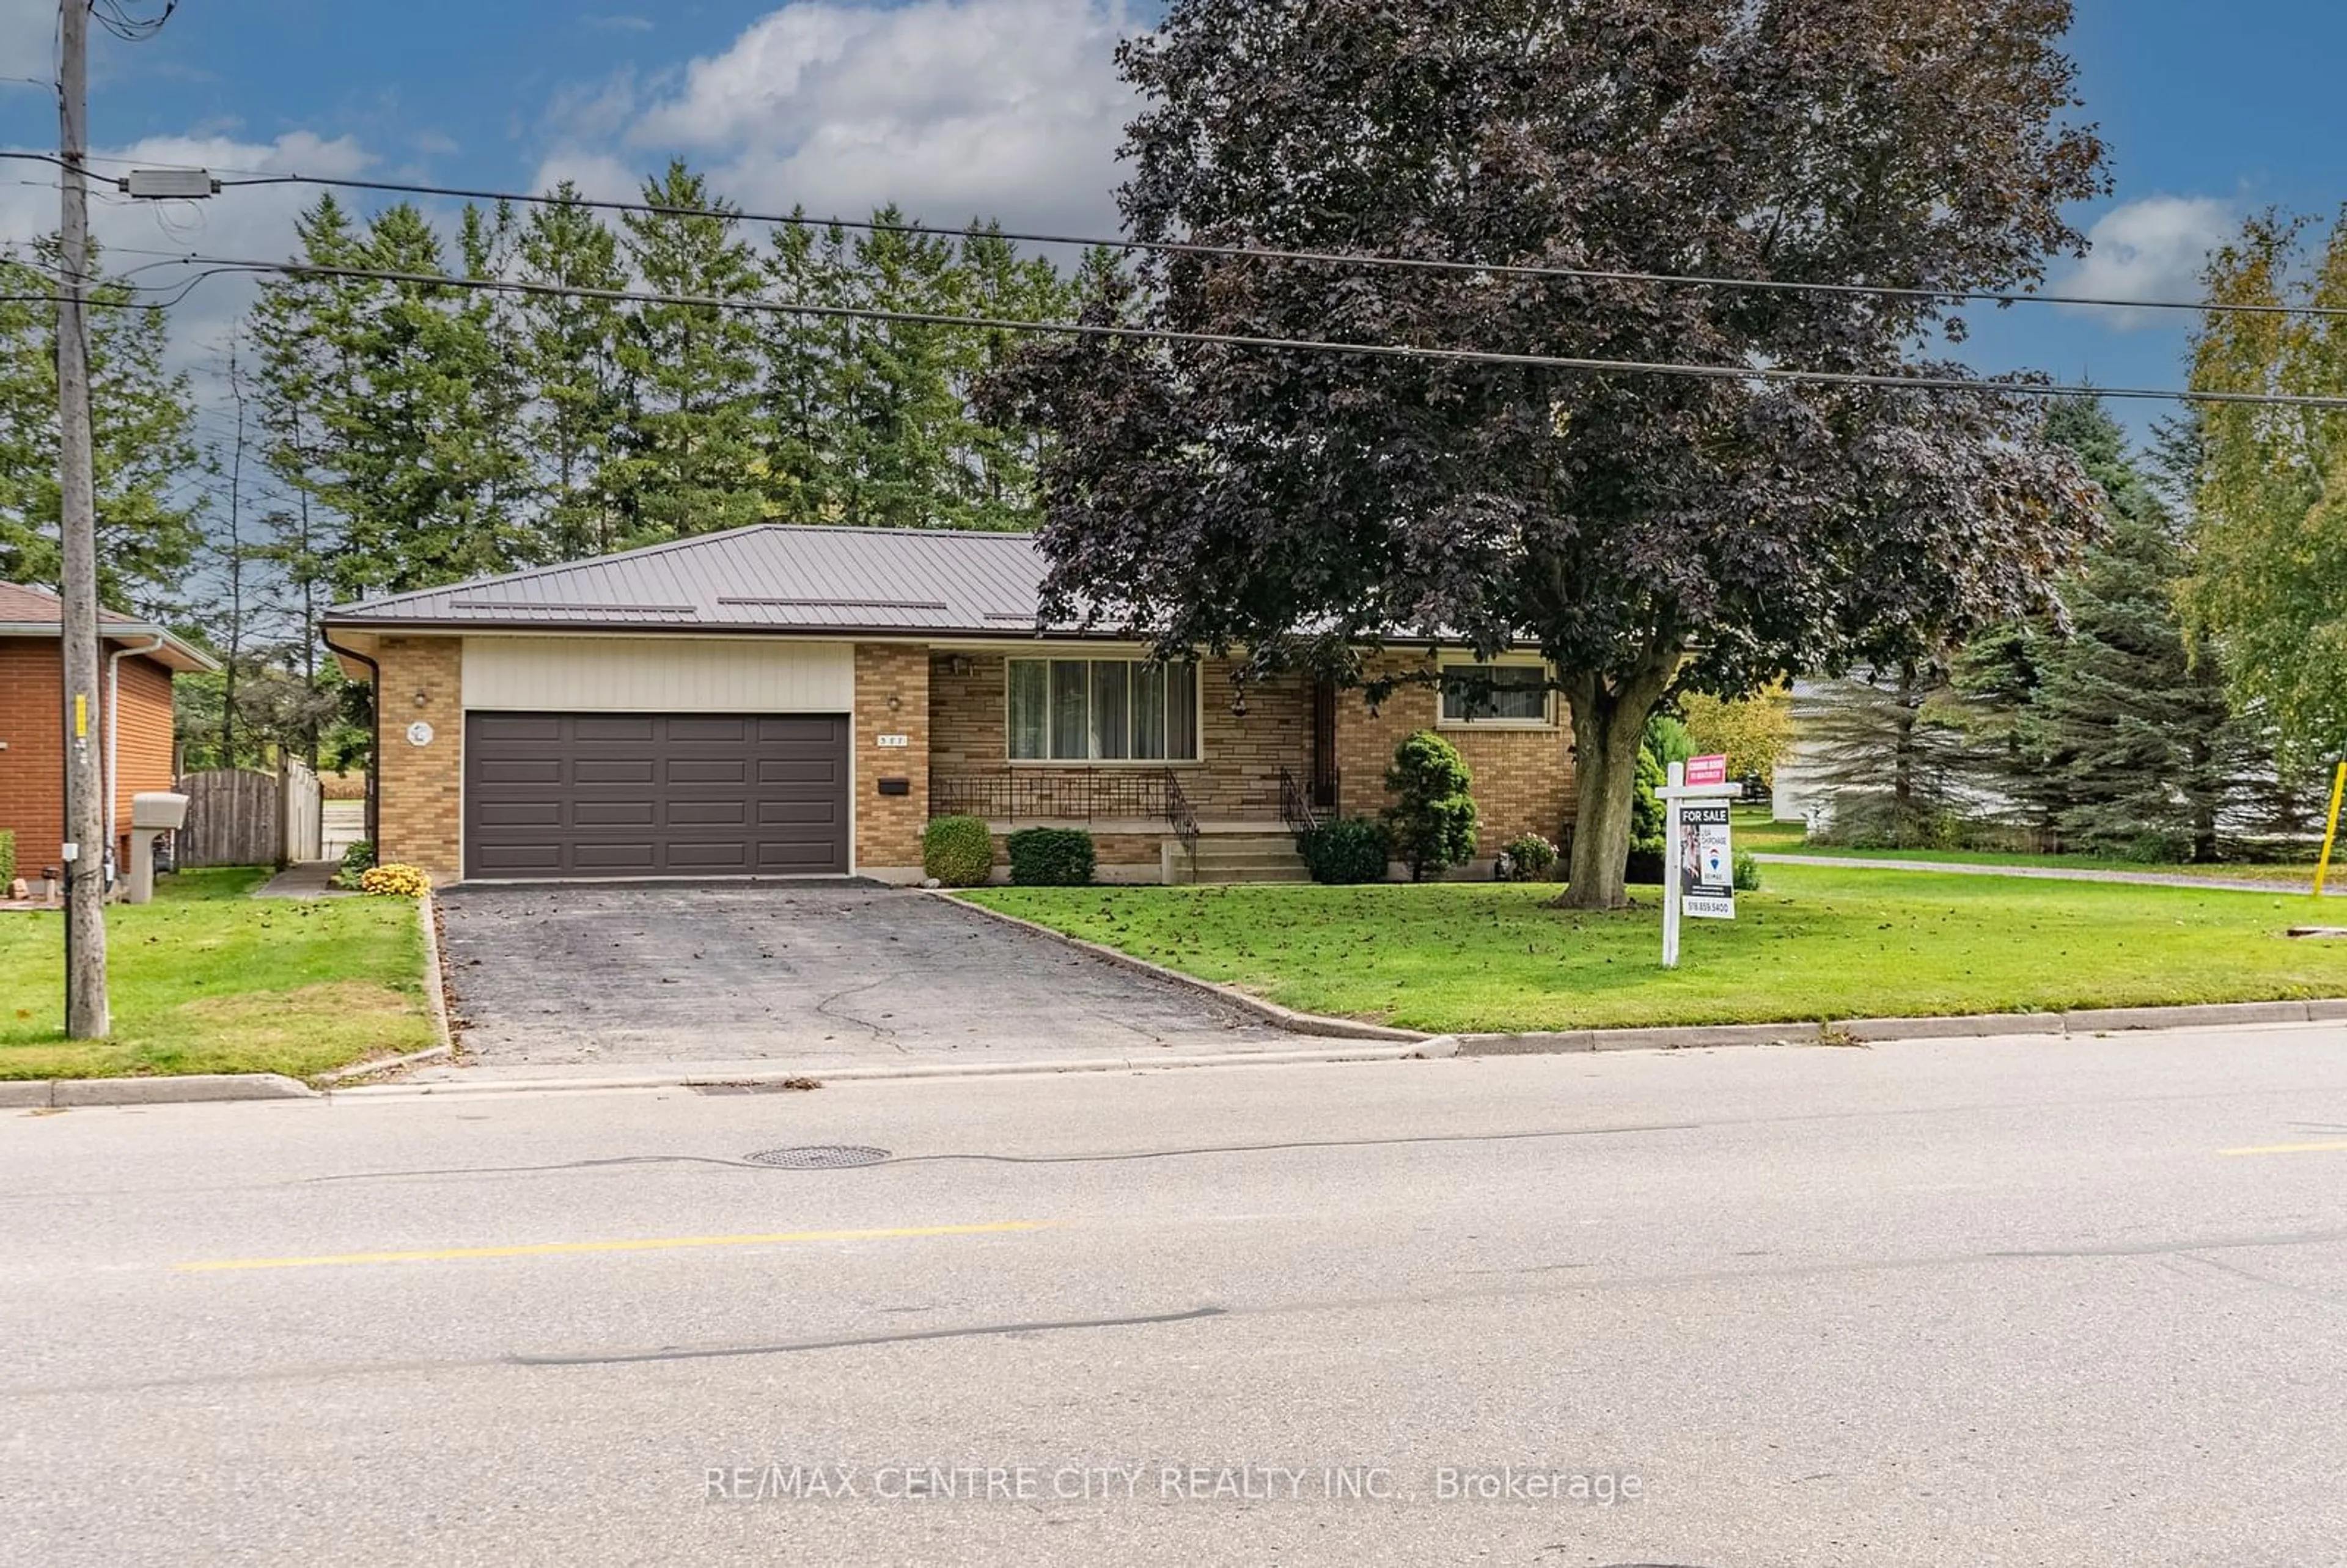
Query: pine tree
{"type": "Point", "coordinates": [1885, 747]}
{"type": "Point", "coordinates": [2136, 729]}
{"type": "Point", "coordinates": [144, 454]}
{"type": "Point", "coordinates": [805, 385]}
{"type": "Point", "coordinates": [898, 409]}
{"type": "Point", "coordinates": [691, 462]}
{"type": "Point", "coordinates": [570, 352]}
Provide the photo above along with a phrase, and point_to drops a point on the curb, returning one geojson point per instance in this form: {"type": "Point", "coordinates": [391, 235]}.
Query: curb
{"type": "Point", "coordinates": [1270, 1012]}
{"type": "Point", "coordinates": [1867, 1030]}
{"type": "Point", "coordinates": [359, 1069]}
{"type": "Point", "coordinates": [435, 980]}
{"type": "Point", "coordinates": [1365, 1051]}
{"type": "Point", "coordinates": [190, 1089]}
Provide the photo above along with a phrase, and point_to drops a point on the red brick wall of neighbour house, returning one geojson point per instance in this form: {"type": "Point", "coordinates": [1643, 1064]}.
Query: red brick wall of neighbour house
{"type": "Point", "coordinates": [32, 770]}
{"type": "Point", "coordinates": [143, 734]}
{"type": "Point", "coordinates": [891, 698]}
{"type": "Point", "coordinates": [32, 724]}
{"type": "Point", "coordinates": [1523, 777]}
{"type": "Point", "coordinates": [1236, 779]}
{"type": "Point", "coordinates": [422, 804]}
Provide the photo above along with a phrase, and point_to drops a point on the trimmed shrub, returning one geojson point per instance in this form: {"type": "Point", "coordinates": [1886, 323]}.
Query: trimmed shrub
{"type": "Point", "coordinates": [1528, 858]}
{"type": "Point", "coordinates": [1644, 868]}
{"type": "Point", "coordinates": [394, 881]}
{"type": "Point", "coordinates": [1051, 857]}
{"type": "Point", "coordinates": [1433, 818]}
{"type": "Point", "coordinates": [356, 860]}
{"type": "Point", "coordinates": [1351, 849]}
{"type": "Point", "coordinates": [1748, 873]}
{"type": "Point", "coordinates": [957, 851]}
{"type": "Point", "coordinates": [7, 858]}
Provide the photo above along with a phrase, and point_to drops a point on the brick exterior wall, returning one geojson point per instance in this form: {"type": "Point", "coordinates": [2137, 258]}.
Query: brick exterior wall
{"type": "Point", "coordinates": [144, 733]}
{"type": "Point", "coordinates": [32, 770]}
{"type": "Point", "coordinates": [889, 827]}
{"type": "Point", "coordinates": [421, 805]}
{"type": "Point", "coordinates": [1523, 778]}
{"type": "Point", "coordinates": [1237, 781]}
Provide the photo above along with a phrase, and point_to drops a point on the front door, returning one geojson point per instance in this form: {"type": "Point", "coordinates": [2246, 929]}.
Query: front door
{"type": "Point", "coordinates": [1324, 777]}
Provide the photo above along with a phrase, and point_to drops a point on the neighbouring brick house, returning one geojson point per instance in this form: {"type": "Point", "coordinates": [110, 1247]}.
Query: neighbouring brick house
{"type": "Point", "coordinates": [786, 701]}
{"type": "Point", "coordinates": [131, 730]}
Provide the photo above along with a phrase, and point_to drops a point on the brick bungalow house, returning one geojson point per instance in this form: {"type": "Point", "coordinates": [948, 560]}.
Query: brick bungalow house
{"type": "Point", "coordinates": [132, 728]}
{"type": "Point", "coordinates": [790, 700]}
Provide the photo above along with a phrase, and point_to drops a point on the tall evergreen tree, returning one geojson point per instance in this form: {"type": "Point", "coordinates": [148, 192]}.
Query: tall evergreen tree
{"type": "Point", "coordinates": [2138, 727]}
{"type": "Point", "coordinates": [143, 426]}
{"type": "Point", "coordinates": [570, 351]}
{"type": "Point", "coordinates": [804, 381]}
{"type": "Point", "coordinates": [691, 462]}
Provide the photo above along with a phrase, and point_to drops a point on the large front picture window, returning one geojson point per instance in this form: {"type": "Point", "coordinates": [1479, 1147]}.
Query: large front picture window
{"type": "Point", "coordinates": [1495, 694]}
{"type": "Point", "coordinates": [1103, 711]}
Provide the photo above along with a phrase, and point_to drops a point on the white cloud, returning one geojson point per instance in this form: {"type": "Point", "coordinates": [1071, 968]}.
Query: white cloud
{"type": "Point", "coordinates": [952, 109]}
{"type": "Point", "coordinates": [2153, 248]}
{"type": "Point", "coordinates": [28, 33]}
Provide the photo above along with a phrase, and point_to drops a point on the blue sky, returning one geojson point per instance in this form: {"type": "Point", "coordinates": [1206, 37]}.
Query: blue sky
{"type": "Point", "coordinates": [1009, 107]}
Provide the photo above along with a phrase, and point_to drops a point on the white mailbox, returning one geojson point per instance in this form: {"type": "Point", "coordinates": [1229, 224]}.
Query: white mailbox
{"type": "Point", "coordinates": [158, 811]}
{"type": "Point", "coordinates": [152, 813]}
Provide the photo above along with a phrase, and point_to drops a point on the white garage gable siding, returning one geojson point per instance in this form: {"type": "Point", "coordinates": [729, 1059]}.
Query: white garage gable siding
{"type": "Point", "coordinates": [658, 675]}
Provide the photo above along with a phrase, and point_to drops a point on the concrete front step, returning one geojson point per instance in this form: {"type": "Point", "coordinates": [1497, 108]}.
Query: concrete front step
{"type": "Point", "coordinates": [1249, 857]}
{"type": "Point", "coordinates": [1215, 874]}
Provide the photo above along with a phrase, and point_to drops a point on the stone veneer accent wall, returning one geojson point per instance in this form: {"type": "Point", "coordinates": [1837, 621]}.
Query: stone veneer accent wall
{"type": "Point", "coordinates": [889, 827]}
{"type": "Point", "coordinates": [1237, 781]}
{"type": "Point", "coordinates": [422, 788]}
{"type": "Point", "coordinates": [1523, 778]}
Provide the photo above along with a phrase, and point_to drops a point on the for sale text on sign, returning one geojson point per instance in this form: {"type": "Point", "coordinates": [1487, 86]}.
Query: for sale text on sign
{"type": "Point", "coordinates": [1706, 862]}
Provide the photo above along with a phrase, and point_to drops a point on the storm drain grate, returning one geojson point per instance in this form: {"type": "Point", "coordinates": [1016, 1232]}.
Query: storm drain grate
{"type": "Point", "coordinates": [819, 1157]}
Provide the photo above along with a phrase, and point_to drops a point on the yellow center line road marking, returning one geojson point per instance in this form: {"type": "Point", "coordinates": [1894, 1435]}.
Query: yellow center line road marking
{"type": "Point", "coordinates": [2337, 1148]}
{"type": "Point", "coordinates": [648, 1243]}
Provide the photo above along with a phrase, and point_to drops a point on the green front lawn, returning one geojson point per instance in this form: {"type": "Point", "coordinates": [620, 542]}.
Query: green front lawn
{"type": "Point", "coordinates": [209, 979]}
{"type": "Point", "coordinates": [1819, 944]}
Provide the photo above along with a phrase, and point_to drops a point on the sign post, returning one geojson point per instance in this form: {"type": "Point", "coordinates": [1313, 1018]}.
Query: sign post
{"type": "Point", "coordinates": [1698, 856]}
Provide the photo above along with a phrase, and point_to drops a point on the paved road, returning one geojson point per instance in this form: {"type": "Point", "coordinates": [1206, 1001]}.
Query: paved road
{"type": "Point", "coordinates": [2012, 1303]}
{"type": "Point", "coordinates": [596, 980]}
{"type": "Point", "coordinates": [2051, 873]}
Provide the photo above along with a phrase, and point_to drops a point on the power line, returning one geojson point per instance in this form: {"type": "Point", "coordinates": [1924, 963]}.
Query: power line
{"type": "Point", "coordinates": [111, 15]}
{"type": "Point", "coordinates": [256, 178]}
{"type": "Point", "coordinates": [1970, 385]}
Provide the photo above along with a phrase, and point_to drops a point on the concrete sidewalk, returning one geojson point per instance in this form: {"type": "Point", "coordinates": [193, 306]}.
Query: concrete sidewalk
{"type": "Point", "coordinates": [306, 879]}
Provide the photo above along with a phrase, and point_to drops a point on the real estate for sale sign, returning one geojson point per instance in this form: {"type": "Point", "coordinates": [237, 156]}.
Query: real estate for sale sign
{"type": "Point", "coordinates": [1706, 861]}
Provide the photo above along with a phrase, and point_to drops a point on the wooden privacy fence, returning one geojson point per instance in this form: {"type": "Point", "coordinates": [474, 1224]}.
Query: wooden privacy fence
{"type": "Point", "coordinates": [240, 816]}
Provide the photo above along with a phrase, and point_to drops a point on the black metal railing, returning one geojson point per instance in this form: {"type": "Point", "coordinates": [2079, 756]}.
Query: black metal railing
{"type": "Point", "coordinates": [1062, 795]}
{"type": "Point", "coordinates": [1182, 819]}
{"type": "Point", "coordinates": [1296, 807]}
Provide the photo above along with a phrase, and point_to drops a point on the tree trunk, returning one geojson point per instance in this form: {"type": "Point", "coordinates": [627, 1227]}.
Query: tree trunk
{"type": "Point", "coordinates": [1609, 725]}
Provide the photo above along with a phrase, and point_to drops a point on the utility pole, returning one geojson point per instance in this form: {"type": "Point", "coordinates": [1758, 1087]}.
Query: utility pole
{"type": "Point", "coordinates": [86, 855]}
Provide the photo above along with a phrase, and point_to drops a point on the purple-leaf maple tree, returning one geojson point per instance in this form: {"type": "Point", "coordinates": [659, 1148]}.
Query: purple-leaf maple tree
{"type": "Point", "coordinates": [1646, 533]}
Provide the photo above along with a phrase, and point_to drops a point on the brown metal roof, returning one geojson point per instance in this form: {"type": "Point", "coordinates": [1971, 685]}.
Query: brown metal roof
{"type": "Point", "coordinates": [776, 577]}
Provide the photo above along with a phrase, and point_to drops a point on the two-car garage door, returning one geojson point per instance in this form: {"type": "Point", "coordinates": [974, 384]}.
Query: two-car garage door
{"type": "Point", "coordinates": [655, 794]}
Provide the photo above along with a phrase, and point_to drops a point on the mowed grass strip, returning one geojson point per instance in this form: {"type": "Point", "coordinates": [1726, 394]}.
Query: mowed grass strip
{"type": "Point", "coordinates": [208, 980]}
{"type": "Point", "coordinates": [1756, 832]}
{"type": "Point", "coordinates": [1819, 944]}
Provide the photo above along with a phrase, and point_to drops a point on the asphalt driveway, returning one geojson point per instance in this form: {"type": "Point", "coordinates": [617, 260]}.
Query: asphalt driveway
{"type": "Point", "coordinates": [559, 981]}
